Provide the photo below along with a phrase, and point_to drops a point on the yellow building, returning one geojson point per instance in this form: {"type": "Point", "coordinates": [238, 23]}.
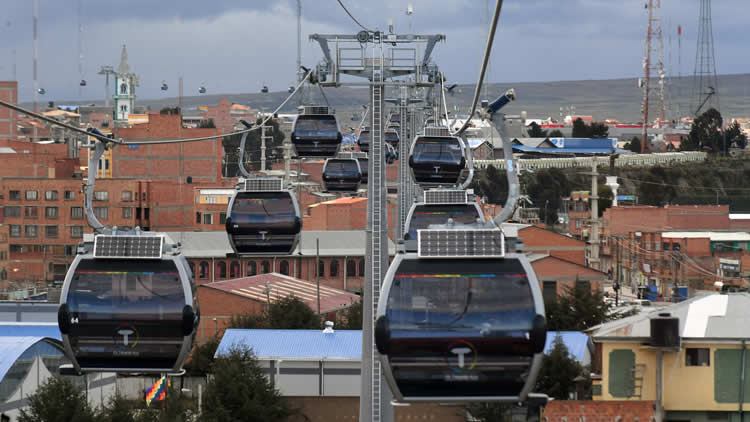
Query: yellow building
{"type": "Point", "coordinates": [702, 380]}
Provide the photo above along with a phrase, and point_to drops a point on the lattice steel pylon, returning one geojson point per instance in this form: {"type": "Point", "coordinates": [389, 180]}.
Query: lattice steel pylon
{"type": "Point", "coordinates": [705, 86]}
{"type": "Point", "coordinates": [653, 67]}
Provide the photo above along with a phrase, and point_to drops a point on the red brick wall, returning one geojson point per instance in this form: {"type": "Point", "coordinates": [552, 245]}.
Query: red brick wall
{"type": "Point", "coordinates": [8, 93]}
{"type": "Point", "coordinates": [221, 305]}
{"type": "Point", "coordinates": [326, 409]}
{"type": "Point", "coordinates": [539, 240]}
{"type": "Point", "coordinates": [598, 411]}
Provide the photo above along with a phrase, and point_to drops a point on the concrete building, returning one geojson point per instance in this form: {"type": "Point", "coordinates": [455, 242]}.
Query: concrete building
{"type": "Point", "coordinates": [319, 372]}
{"type": "Point", "coordinates": [227, 116]}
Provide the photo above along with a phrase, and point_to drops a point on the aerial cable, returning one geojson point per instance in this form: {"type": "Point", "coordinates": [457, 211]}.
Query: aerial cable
{"type": "Point", "coordinates": [352, 16]}
{"type": "Point", "coordinates": [119, 141]}
{"type": "Point", "coordinates": [324, 96]}
{"type": "Point", "coordinates": [483, 70]}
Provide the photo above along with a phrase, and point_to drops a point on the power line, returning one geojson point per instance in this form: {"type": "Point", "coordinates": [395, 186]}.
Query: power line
{"type": "Point", "coordinates": [683, 187]}
{"type": "Point", "coordinates": [353, 18]}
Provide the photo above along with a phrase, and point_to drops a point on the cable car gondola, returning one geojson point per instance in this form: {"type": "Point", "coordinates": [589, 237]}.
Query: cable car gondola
{"type": "Point", "coordinates": [263, 218]}
{"type": "Point", "coordinates": [82, 83]}
{"type": "Point", "coordinates": [202, 90]}
{"type": "Point", "coordinates": [395, 118]}
{"type": "Point", "coordinates": [128, 305]}
{"type": "Point", "coordinates": [164, 86]}
{"type": "Point", "coordinates": [363, 169]}
{"type": "Point", "coordinates": [460, 324]}
{"type": "Point", "coordinates": [391, 136]}
{"type": "Point", "coordinates": [341, 175]}
{"type": "Point", "coordinates": [264, 89]}
{"type": "Point", "coordinates": [41, 91]}
{"type": "Point", "coordinates": [363, 140]}
{"type": "Point", "coordinates": [316, 132]}
{"type": "Point", "coordinates": [437, 158]}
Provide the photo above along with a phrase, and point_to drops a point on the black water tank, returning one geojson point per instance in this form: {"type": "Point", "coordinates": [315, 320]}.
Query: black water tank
{"type": "Point", "coordinates": [665, 331]}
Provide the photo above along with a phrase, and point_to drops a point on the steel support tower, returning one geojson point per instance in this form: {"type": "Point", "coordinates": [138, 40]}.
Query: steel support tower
{"type": "Point", "coordinates": [652, 83]}
{"type": "Point", "coordinates": [705, 85]}
{"type": "Point", "coordinates": [381, 58]}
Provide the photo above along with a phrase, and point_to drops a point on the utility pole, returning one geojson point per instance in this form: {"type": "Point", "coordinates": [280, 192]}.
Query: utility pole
{"type": "Point", "coordinates": [594, 235]}
{"type": "Point", "coordinates": [263, 140]}
{"type": "Point", "coordinates": [317, 269]}
{"type": "Point", "coordinates": [705, 88]}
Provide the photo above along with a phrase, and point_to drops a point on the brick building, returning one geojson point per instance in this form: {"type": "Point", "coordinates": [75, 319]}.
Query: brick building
{"type": "Point", "coordinates": [542, 241]}
{"type": "Point", "coordinates": [222, 300]}
{"type": "Point", "coordinates": [8, 93]}
{"type": "Point", "coordinates": [556, 275]}
{"type": "Point", "coordinates": [226, 116]}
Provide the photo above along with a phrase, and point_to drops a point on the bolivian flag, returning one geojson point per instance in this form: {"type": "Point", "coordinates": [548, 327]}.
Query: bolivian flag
{"type": "Point", "coordinates": [158, 391]}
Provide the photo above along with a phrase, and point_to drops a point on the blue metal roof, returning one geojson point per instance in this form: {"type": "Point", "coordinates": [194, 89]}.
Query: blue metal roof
{"type": "Point", "coordinates": [576, 342]}
{"type": "Point", "coordinates": [296, 344]}
{"type": "Point", "coordinates": [35, 329]}
{"type": "Point", "coordinates": [566, 150]}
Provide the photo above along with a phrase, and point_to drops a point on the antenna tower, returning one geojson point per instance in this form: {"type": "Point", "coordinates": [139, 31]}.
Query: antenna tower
{"type": "Point", "coordinates": [705, 86]}
{"type": "Point", "coordinates": [653, 66]}
{"type": "Point", "coordinates": [79, 11]}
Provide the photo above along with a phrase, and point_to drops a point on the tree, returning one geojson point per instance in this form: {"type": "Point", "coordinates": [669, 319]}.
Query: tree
{"type": "Point", "coordinates": [577, 309]}
{"type": "Point", "coordinates": [546, 188]}
{"type": "Point", "coordinates": [705, 134]}
{"type": "Point", "coordinates": [535, 131]}
{"type": "Point", "coordinates": [201, 358]}
{"type": "Point", "coordinates": [558, 372]}
{"type": "Point", "coordinates": [634, 145]}
{"type": "Point", "coordinates": [207, 124]}
{"type": "Point", "coordinates": [57, 400]}
{"type": "Point", "coordinates": [491, 184]}
{"type": "Point", "coordinates": [170, 110]}
{"type": "Point", "coordinates": [598, 130]}
{"type": "Point", "coordinates": [556, 133]}
{"type": "Point", "coordinates": [733, 134]}
{"type": "Point", "coordinates": [580, 130]}
{"type": "Point", "coordinates": [605, 198]}
{"type": "Point", "coordinates": [352, 317]}
{"type": "Point", "coordinates": [287, 313]}
{"type": "Point", "coordinates": [240, 391]}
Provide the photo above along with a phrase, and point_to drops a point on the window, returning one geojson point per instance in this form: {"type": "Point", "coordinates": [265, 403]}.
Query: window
{"type": "Point", "coordinates": [265, 267]}
{"type": "Point", "coordinates": [13, 211]}
{"type": "Point", "coordinates": [3, 274]}
{"type": "Point", "coordinates": [31, 212]}
{"type": "Point", "coordinates": [284, 267]}
{"type": "Point", "coordinates": [321, 268]}
{"type": "Point", "coordinates": [351, 268]}
{"type": "Point", "coordinates": [15, 230]}
{"type": "Point", "coordinates": [32, 195]}
{"type": "Point", "coordinates": [208, 218]}
{"type": "Point", "coordinates": [334, 270]}
{"type": "Point", "coordinates": [222, 218]}
{"type": "Point", "coordinates": [549, 289]}
{"type": "Point", "coordinates": [76, 212]}
{"type": "Point", "coordinates": [101, 212]}
{"type": "Point", "coordinates": [222, 266]}
{"type": "Point", "coordinates": [197, 218]}
{"type": "Point", "coordinates": [144, 196]}
{"type": "Point", "coordinates": [123, 108]}
{"type": "Point", "coordinates": [50, 195]}
{"type": "Point", "coordinates": [101, 196]}
{"type": "Point", "coordinates": [123, 89]}
{"type": "Point", "coordinates": [76, 232]}
{"type": "Point", "coordinates": [69, 195]}
{"type": "Point", "coordinates": [362, 268]}
{"type": "Point", "coordinates": [666, 246]}
{"type": "Point", "coordinates": [51, 232]}
{"type": "Point", "coordinates": [16, 248]}
{"type": "Point", "coordinates": [50, 212]}
{"type": "Point", "coordinates": [252, 268]}
{"type": "Point", "coordinates": [127, 196]}
{"type": "Point", "coordinates": [695, 356]}
{"type": "Point", "coordinates": [676, 247]}
{"type": "Point", "coordinates": [30, 230]}
{"type": "Point", "coordinates": [3, 255]}
{"type": "Point", "coordinates": [127, 212]}
{"type": "Point", "coordinates": [14, 195]}
{"type": "Point", "coordinates": [70, 250]}
{"type": "Point", "coordinates": [234, 269]}
{"type": "Point", "coordinates": [203, 269]}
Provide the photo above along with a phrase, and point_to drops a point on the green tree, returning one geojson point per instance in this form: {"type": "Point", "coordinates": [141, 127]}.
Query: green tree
{"type": "Point", "coordinates": [491, 184]}
{"type": "Point", "coordinates": [734, 136]}
{"type": "Point", "coordinates": [352, 317]}
{"type": "Point", "coordinates": [252, 148]}
{"type": "Point", "coordinates": [558, 372]}
{"type": "Point", "coordinates": [117, 409]}
{"type": "Point", "coordinates": [201, 358]}
{"type": "Point", "coordinates": [240, 391]}
{"type": "Point", "coordinates": [287, 313]}
{"type": "Point", "coordinates": [207, 124]}
{"type": "Point", "coordinates": [634, 145]}
{"type": "Point", "coordinates": [170, 110]}
{"type": "Point", "coordinates": [556, 133]}
{"type": "Point", "coordinates": [605, 198]}
{"type": "Point", "coordinates": [595, 130]}
{"type": "Point", "coordinates": [705, 134]}
{"type": "Point", "coordinates": [546, 188]}
{"type": "Point", "coordinates": [535, 131]}
{"type": "Point", "coordinates": [580, 130]}
{"type": "Point", "coordinates": [57, 400]}
{"type": "Point", "coordinates": [577, 309]}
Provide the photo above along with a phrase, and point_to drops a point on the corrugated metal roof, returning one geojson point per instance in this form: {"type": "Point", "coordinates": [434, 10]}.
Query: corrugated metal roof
{"type": "Point", "coordinates": [281, 286]}
{"type": "Point", "coordinates": [35, 329]}
{"type": "Point", "coordinates": [576, 342]}
{"type": "Point", "coordinates": [7, 150]}
{"type": "Point", "coordinates": [567, 150]}
{"type": "Point", "coordinates": [708, 316]}
{"type": "Point", "coordinates": [296, 344]}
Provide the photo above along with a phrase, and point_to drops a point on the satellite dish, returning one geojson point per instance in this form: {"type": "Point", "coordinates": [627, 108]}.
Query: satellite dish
{"type": "Point", "coordinates": [363, 36]}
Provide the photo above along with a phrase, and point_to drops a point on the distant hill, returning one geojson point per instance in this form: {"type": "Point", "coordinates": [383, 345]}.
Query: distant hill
{"type": "Point", "coordinates": [615, 98]}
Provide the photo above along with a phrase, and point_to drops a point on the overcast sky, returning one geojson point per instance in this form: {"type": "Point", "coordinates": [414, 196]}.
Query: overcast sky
{"type": "Point", "coordinates": [237, 45]}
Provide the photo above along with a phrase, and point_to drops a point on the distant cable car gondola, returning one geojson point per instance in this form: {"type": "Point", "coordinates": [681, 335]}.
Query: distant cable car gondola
{"type": "Point", "coordinates": [82, 83]}
{"type": "Point", "coordinates": [41, 91]}
{"type": "Point", "coordinates": [391, 136]}
{"type": "Point", "coordinates": [202, 90]}
{"type": "Point", "coordinates": [263, 218]}
{"type": "Point", "coordinates": [437, 207]}
{"type": "Point", "coordinates": [395, 118]}
{"type": "Point", "coordinates": [363, 140]}
{"type": "Point", "coordinates": [341, 175]}
{"type": "Point", "coordinates": [128, 305]}
{"type": "Point", "coordinates": [291, 89]}
{"type": "Point", "coordinates": [264, 89]}
{"type": "Point", "coordinates": [164, 86]}
{"type": "Point", "coordinates": [460, 320]}
{"type": "Point", "coordinates": [437, 158]}
{"type": "Point", "coordinates": [316, 133]}
{"type": "Point", "coordinates": [391, 154]}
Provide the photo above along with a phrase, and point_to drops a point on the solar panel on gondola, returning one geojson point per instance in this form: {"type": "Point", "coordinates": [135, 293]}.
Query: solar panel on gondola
{"type": "Point", "coordinates": [460, 243]}
{"type": "Point", "coordinates": [445, 196]}
{"type": "Point", "coordinates": [128, 247]}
